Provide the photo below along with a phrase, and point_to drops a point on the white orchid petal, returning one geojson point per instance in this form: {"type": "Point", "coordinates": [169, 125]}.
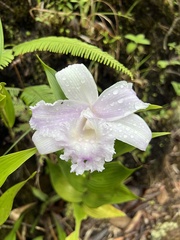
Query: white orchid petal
{"type": "Point", "coordinates": [132, 130]}
{"type": "Point", "coordinates": [117, 102]}
{"type": "Point", "coordinates": [77, 83]}
{"type": "Point", "coordinates": [49, 119]}
{"type": "Point", "coordinates": [45, 145]}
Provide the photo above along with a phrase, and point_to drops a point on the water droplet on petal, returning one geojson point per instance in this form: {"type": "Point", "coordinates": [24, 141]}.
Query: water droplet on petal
{"type": "Point", "coordinates": [112, 104]}
{"type": "Point", "coordinates": [63, 78]}
{"type": "Point", "coordinates": [120, 101]}
{"type": "Point", "coordinates": [115, 92]}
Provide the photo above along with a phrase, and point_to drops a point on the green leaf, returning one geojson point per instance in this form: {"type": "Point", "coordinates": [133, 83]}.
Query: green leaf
{"type": "Point", "coordinates": [138, 39]}
{"type": "Point", "coordinates": [77, 181]}
{"type": "Point", "coordinates": [1, 41]}
{"type": "Point", "coordinates": [2, 96]}
{"type": "Point", "coordinates": [104, 211]}
{"type": "Point", "coordinates": [117, 194]}
{"type": "Point", "coordinates": [131, 47]}
{"type": "Point", "coordinates": [61, 233]}
{"type": "Point", "coordinates": [151, 107]}
{"type": "Point", "coordinates": [7, 198]}
{"type": "Point", "coordinates": [160, 134]}
{"type": "Point", "coordinates": [10, 162]}
{"type": "Point", "coordinates": [107, 186]}
{"type": "Point", "coordinates": [75, 47]}
{"type": "Point", "coordinates": [176, 87]}
{"type": "Point", "coordinates": [122, 148]}
{"type": "Point", "coordinates": [97, 188]}
{"type": "Point", "coordinates": [72, 236]}
{"type": "Point", "coordinates": [7, 109]}
{"type": "Point", "coordinates": [2, 101]}
{"type": "Point", "coordinates": [34, 94]}
{"type": "Point", "coordinates": [39, 194]}
{"type": "Point", "coordinates": [55, 87]}
{"type": "Point", "coordinates": [162, 63]}
{"type": "Point", "coordinates": [100, 182]}
{"type": "Point", "coordinates": [12, 233]}
{"type": "Point", "coordinates": [131, 37]}
{"type": "Point", "coordinates": [61, 184]}
{"type": "Point", "coordinates": [165, 63]}
{"type": "Point", "coordinates": [6, 56]}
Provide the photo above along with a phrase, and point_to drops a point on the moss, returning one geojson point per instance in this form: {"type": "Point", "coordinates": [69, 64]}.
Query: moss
{"type": "Point", "coordinates": [162, 229]}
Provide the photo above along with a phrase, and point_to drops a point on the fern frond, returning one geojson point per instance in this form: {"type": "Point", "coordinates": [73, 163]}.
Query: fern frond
{"type": "Point", "coordinates": [73, 46]}
{"type": "Point", "coordinates": [14, 92]}
{"type": "Point", "coordinates": [6, 58]}
{"type": "Point", "coordinates": [34, 94]}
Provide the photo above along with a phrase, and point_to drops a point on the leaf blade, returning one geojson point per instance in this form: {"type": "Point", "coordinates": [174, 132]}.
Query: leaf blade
{"type": "Point", "coordinates": [55, 87]}
{"type": "Point", "coordinates": [104, 211]}
{"type": "Point", "coordinates": [9, 163]}
{"type": "Point", "coordinates": [6, 200]}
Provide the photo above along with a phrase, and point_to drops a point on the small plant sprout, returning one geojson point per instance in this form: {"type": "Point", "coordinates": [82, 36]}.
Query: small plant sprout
{"type": "Point", "coordinates": [85, 126]}
{"type": "Point", "coordinates": [136, 40]}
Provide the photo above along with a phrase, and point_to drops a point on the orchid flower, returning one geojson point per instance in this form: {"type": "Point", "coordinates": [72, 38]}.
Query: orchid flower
{"type": "Point", "coordinates": [84, 125]}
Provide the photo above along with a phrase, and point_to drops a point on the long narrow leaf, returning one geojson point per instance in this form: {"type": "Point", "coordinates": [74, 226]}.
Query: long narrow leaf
{"type": "Point", "coordinates": [55, 87]}
{"type": "Point", "coordinates": [104, 211]}
{"type": "Point", "coordinates": [12, 233]}
{"type": "Point", "coordinates": [1, 41]}
{"type": "Point", "coordinates": [10, 162]}
{"type": "Point", "coordinates": [6, 200]}
{"type": "Point", "coordinates": [122, 148]}
{"type": "Point", "coordinates": [7, 111]}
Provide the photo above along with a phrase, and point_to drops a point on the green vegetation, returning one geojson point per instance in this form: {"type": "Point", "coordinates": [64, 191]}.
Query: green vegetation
{"type": "Point", "coordinates": [134, 40]}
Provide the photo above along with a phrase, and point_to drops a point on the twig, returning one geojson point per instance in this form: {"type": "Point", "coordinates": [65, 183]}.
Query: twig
{"type": "Point", "coordinates": [6, 6]}
{"type": "Point", "coordinates": [170, 32]}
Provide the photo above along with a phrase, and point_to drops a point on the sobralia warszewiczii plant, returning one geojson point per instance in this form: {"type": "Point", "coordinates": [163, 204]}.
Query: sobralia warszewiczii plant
{"type": "Point", "coordinates": [82, 127]}
{"type": "Point", "coordinates": [88, 131]}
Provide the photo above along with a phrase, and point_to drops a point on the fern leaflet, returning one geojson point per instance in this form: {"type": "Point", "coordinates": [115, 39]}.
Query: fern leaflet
{"type": "Point", "coordinates": [6, 58]}
{"type": "Point", "coordinates": [32, 95]}
{"type": "Point", "coordinates": [73, 46]}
